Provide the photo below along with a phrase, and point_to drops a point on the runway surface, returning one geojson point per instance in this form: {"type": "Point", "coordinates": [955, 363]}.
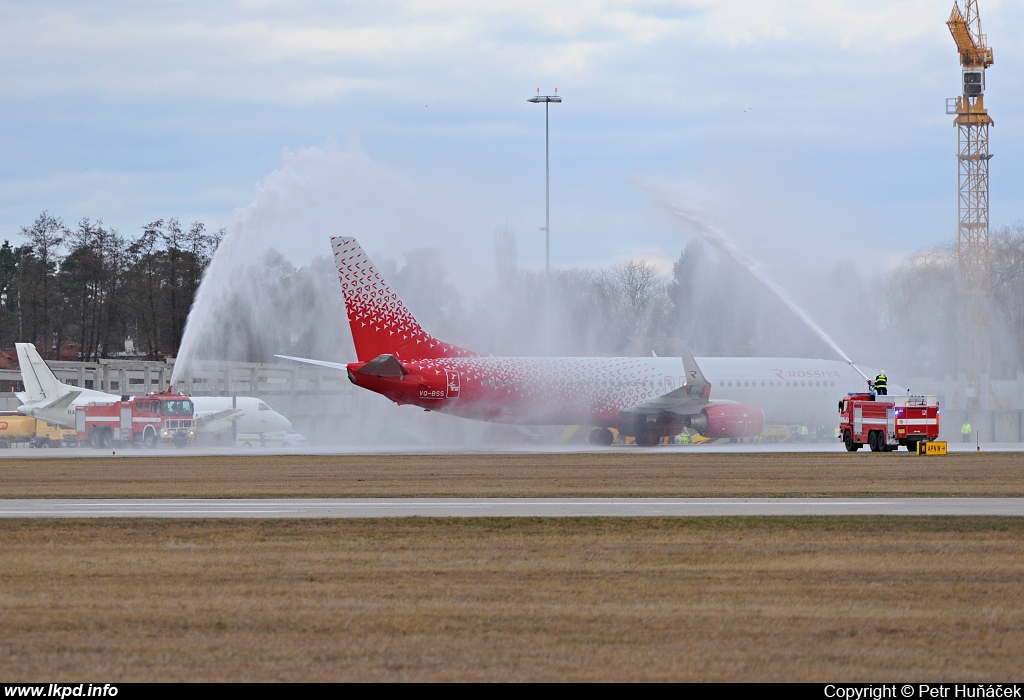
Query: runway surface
{"type": "Point", "coordinates": [707, 448]}
{"type": "Point", "coordinates": [499, 507]}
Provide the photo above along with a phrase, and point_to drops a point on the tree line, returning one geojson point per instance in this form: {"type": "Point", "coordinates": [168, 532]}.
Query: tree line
{"type": "Point", "coordinates": [903, 319]}
{"type": "Point", "coordinates": [80, 292]}
{"type": "Point", "coordinates": [919, 306]}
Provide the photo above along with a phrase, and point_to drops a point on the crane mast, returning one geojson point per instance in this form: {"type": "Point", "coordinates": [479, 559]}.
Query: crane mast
{"type": "Point", "coordinates": [972, 243]}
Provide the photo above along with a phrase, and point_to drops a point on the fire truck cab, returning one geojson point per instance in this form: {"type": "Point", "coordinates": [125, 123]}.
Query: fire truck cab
{"type": "Point", "coordinates": [140, 420]}
{"type": "Point", "coordinates": [884, 423]}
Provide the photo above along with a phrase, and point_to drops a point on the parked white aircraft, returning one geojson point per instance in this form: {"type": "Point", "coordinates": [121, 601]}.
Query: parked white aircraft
{"type": "Point", "coordinates": [241, 414]}
{"type": "Point", "coordinates": [46, 398]}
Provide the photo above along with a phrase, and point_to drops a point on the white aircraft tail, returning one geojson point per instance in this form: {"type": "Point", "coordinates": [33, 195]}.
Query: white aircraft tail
{"type": "Point", "coordinates": [40, 382]}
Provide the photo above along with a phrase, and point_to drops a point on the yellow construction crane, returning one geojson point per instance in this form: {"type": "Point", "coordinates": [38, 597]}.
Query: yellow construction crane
{"type": "Point", "coordinates": [972, 243]}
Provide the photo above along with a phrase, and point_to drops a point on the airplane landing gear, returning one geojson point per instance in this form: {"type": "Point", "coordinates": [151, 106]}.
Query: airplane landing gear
{"type": "Point", "coordinates": [646, 438]}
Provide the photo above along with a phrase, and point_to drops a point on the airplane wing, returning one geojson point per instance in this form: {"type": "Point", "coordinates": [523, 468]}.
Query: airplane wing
{"type": "Point", "coordinates": [683, 401]}
{"type": "Point", "coordinates": [319, 363]}
{"type": "Point", "coordinates": [206, 420]}
{"type": "Point", "coordinates": [61, 401]}
{"type": "Point", "coordinates": [686, 400]}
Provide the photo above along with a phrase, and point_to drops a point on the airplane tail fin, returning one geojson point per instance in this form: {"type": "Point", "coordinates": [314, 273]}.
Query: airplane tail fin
{"type": "Point", "coordinates": [381, 324]}
{"type": "Point", "coordinates": [40, 382]}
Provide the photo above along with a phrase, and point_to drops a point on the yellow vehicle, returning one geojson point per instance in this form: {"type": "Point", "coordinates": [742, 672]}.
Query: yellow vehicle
{"type": "Point", "coordinates": [17, 429]}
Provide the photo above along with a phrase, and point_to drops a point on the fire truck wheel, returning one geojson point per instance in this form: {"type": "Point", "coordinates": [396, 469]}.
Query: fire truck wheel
{"type": "Point", "coordinates": [149, 438]}
{"type": "Point", "coordinates": [911, 445]}
{"type": "Point", "coordinates": [43, 443]}
{"type": "Point", "coordinates": [104, 438]}
{"type": "Point", "coordinates": [873, 441]}
{"type": "Point", "coordinates": [601, 436]}
{"type": "Point", "coordinates": [851, 446]}
{"type": "Point", "coordinates": [4, 444]}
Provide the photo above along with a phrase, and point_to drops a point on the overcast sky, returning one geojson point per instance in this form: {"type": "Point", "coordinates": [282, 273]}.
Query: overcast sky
{"type": "Point", "coordinates": [803, 128]}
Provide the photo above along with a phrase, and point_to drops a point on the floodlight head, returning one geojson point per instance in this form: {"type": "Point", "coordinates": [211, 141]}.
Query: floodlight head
{"type": "Point", "coordinates": [546, 98]}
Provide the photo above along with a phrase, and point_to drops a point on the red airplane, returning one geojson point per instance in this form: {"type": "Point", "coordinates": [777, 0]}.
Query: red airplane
{"type": "Point", "coordinates": [643, 397]}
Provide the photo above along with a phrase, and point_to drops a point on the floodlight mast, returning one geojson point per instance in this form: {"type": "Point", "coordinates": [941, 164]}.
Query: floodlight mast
{"type": "Point", "coordinates": [547, 100]}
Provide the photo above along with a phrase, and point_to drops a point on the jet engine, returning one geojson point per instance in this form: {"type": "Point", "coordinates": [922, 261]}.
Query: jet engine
{"type": "Point", "coordinates": [733, 420]}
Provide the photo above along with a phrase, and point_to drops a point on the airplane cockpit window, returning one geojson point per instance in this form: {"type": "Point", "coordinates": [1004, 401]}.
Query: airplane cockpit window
{"type": "Point", "coordinates": [264, 407]}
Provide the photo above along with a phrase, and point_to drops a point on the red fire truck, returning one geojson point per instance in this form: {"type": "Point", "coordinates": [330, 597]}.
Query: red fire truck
{"type": "Point", "coordinates": [140, 420]}
{"type": "Point", "coordinates": [886, 422]}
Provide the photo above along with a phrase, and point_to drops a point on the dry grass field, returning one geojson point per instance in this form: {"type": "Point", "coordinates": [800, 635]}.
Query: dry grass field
{"type": "Point", "coordinates": [513, 599]}
{"type": "Point", "coordinates": [627, 472]}
{"type": "Point", "coordinates": [867, 598]}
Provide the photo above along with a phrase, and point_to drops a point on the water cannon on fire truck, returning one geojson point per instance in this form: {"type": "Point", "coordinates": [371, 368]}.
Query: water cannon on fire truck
{"type": "Point", "coordinates": [147, 421]}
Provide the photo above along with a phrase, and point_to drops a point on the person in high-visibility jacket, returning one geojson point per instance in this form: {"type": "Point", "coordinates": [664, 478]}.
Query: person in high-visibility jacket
{"type": "Point", "coordinates": [684, 438]}
{"type": "Point", "coordinates": [965, 431]}
{"type": "Point", "coordinates": [880, 384]}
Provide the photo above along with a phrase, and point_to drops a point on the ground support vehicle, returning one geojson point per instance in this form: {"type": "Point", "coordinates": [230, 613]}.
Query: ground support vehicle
{"type": "Point", "coordinates": [884, 423]}
{"type": "Point", "coordinates": [17, 430]}
{"type": "Point", "coordinates": [288, 438]}
{"type": "Point", "coordinates": [145, 421]}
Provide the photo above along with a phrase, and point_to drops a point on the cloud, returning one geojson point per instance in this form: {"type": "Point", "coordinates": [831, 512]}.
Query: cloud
{"type": "Point", "coordinates": [295, 53]}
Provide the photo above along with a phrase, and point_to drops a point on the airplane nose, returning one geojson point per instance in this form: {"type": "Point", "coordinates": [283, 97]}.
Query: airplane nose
{"type": "Point", "coordinates": [282, 423]}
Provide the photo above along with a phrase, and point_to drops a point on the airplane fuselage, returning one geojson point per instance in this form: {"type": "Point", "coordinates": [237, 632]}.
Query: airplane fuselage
{"type": "Point", "coordinates": [529, 390]}
{"type": "Point", "coordinates": [253, 416]}
{"type": "Point", "coordinates": [599, 391]}
{"type": "Point", "coordinates": [65, 415]}
{"type": "Point", "coordinates": [789, 390]}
